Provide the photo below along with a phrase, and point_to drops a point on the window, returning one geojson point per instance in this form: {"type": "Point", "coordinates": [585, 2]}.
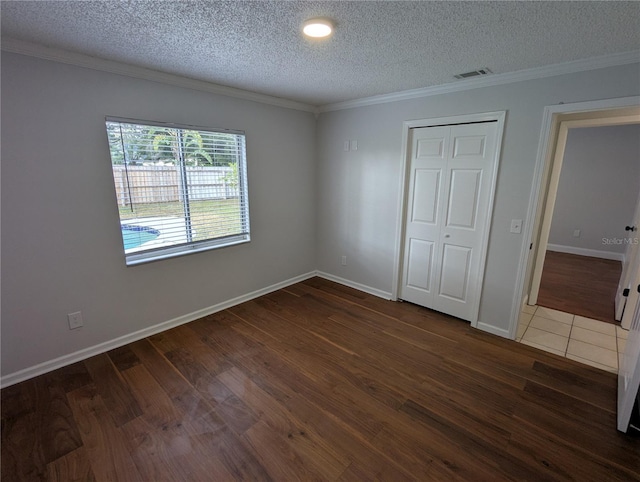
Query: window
{"type": "Point", "coordinates": [179, 189]}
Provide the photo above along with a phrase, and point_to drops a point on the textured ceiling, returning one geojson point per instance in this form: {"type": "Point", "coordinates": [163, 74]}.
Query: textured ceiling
{"type": "Point", "coordinates": [377, 47]}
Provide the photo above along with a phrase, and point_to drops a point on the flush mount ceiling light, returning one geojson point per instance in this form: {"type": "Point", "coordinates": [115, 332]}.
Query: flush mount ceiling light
{"type": "Point", "coordinates": [317, 27]}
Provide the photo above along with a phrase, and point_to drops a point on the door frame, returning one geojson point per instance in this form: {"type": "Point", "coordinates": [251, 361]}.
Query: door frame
{"type": "Point", "coordinates": [497, 116]}
{"type": "Point", "coordinates": [551, 119]}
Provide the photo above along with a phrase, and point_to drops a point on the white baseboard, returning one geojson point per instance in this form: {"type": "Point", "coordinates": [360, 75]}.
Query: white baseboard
{"type": "Point", "coordinates": [594, 253]}
{"type": "Point", "coordinates": [354, 285]}
{"type": "Point", "coordinates": [85, 353]}
{"type": "Point", "coordinates": [493, 330]}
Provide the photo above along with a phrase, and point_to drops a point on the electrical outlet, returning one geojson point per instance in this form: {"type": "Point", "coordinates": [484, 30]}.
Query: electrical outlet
{"type": "Point", "coordinates": [346, 145]}
{"type": "Point", "coordinates": [354, 145]}
{"type": "Point", "coordinates": [344, 261]}
{"type": "Point", "coordinates": [576, 233]}
{"type": "Point", "coordinates": [75, 320]}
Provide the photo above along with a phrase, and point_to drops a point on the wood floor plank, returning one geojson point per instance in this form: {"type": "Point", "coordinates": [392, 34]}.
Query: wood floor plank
{"type": "Point", "coordinates": [581, 285]}
{"type": "Point", "coordinates": [18, 399]}
{"type": "Point", "coordinates": [276, 379]}
{"type": "Point", "coordinates": [478, 447]}
{"type": "Point", "coordinates": [360, 416]}
{"type": "Point", "coordinates": [123, 358]}
{"type": "Point", "coordinates": [277, 456]}
{"type": "Point", "coordinates": [233, 455]}
{"type": "Point", "coordinates": [313, 449]}
{"type": "Point", "coordinates": [106, 445]}
{"type": "Point", "coordinates": [167, 444]}
{"type": "Point", "coordinates": [200, 377]}
{"type": "Point", "coordinates": [194, 409]}
{"type": "Point", "coordinates": [471, 403]}
{"type": "Point", "coordinates": [318, 381]}
{"type": "Point", "coordinates": [562, 460]}
{"type": "Point", "coordinates": [73, 467]}
{"type": "Point", "coordinates": [116, 395]}
{"type": "Point", "coordinates": [618, 448]}
{"type": "Point", "coordinates": [21, 449]}
{"type": "Point", "coordinates": [56, 427]}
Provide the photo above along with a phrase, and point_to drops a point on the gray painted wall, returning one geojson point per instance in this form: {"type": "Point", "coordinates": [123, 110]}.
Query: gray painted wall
{"type": "Point", "coordinates": [311, 202]}
{"type": "Point", "coordinates": [359, 191]}
{"type": "Point", "coordinates": [598, 188]}
{"type": "Point", "coordinates": [61, 245]}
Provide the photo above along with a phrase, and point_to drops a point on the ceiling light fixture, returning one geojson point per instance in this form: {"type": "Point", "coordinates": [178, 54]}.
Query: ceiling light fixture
{"type": "Point", "coordinates": [317, 28]}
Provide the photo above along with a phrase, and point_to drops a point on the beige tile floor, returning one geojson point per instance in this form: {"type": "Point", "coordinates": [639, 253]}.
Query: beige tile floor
{"type": "Point", "coordinates": [587, 341]}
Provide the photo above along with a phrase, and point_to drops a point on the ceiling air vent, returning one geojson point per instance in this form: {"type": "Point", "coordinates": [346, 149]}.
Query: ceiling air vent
{"type": "Point", "coordinates": [473, 73]}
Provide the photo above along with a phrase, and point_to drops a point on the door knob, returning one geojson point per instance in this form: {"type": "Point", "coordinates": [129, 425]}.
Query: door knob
{"type": "Point", "coordinates": [447, 235]}
{"type": "Point", "coordinates": [630, 228]}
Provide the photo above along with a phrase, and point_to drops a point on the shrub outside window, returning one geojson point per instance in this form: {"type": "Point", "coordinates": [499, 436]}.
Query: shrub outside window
{"type": "Point", "coordinates": [179, 189]}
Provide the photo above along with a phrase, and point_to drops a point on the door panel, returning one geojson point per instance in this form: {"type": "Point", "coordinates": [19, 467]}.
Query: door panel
{"type": "Point", "coordinates": [424, 205]}
{"type": "Point", "coordinates": [454, 276]}
{"type": "Point", "coordinates": [629, 372]}
{"type": "Point", "coordinates": [427, 148]}
{"type": "Point", "coordinates": [419, 272]}
{"type": "Point", "coordinates": [463, 198]}
{"type": "Point", "coordinates": [468, 146]}
{"type": "Point", "coordinates": [449, 189]}
{"type": "Point", "coordinates": [425, 198]}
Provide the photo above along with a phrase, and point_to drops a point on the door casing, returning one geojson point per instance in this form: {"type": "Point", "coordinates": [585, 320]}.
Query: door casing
{"type": "Point", "coordinates": [499, 117]}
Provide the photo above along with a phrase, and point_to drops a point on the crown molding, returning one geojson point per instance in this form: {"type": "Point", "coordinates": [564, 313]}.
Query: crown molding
{"type": "Point", "coordinates": [72, 58]}
{"type": "Point", "coordinates": [81, 60]}
{"type": "Point", "coordinates": [575, 66]}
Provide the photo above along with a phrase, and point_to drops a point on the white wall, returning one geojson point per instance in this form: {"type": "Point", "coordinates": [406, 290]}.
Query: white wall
{"type": "Point", "coordinates": [359, 191]}
{"type": "Point", "coordinates": [61, 246]}
{"type": "Point", "coordinates": [598, 189]}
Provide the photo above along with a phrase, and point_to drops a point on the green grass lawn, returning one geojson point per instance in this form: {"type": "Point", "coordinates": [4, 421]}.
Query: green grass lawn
{"type": "Point", "coordinates": [210, 219]}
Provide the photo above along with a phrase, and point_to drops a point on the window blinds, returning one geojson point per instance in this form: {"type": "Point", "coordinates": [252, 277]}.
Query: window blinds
{"type": "Point", "coordinates": [179, 189]}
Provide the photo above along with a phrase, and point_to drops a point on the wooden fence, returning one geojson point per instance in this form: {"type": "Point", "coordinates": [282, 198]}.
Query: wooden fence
{"type": "Point", "coordinates": [159, 184]}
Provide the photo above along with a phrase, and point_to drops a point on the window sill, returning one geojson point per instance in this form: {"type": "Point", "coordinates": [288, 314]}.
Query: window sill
{"type": "Point", "coordinates": [135, 259]}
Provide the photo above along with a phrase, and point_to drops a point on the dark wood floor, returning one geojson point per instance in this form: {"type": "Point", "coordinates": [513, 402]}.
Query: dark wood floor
{"type": "Point", "coordinates": [318, 382]}
{"type": "Point", "coordinates": [580, 285]}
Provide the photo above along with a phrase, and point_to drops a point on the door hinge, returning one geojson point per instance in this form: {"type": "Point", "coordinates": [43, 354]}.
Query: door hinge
{"type": "Point", "coordinates": [625, 292]}
{"type": "Point", "coordinates": [531, 246]}
{"type": "Point", "coordinates": [638, 288]}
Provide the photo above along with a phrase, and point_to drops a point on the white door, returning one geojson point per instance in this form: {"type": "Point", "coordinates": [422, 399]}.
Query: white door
{"type": "Point", "coordinates": [631, 260]}
{"type": "Point", "coordinates": [629, 372]}
{"type": "Point", "coordinates": [447, 218]}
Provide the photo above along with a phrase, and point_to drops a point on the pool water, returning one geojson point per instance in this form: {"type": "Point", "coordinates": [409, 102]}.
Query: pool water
{"type": "Point", "coordinates": [134, 236]}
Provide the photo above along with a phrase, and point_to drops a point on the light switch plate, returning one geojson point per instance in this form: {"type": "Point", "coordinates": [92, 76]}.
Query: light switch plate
{"type": "Point", "coordinates": [516, 226]}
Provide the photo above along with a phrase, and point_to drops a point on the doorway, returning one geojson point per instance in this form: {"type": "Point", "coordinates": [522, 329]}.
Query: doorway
{"type": "Point", "coordinates": [556, 128]}
{"type": "Point", "coordinates": [596, 200]}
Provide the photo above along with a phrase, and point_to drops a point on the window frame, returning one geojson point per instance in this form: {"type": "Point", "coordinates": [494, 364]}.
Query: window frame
{"type": "Point", "coordinates": [189, 247]}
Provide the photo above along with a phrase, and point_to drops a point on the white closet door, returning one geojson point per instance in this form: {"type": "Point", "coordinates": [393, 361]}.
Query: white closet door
{"type": "Point", "coordinates": [448, 208]}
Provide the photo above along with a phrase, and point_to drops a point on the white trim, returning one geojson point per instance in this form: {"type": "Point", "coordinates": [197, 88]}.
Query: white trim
{"type": "Point", "coordinates": [400, 218]}
{"type": "Point", "coordinates": [535, 193]}
{"type": "Point", "coordinates": [593, 63]}
{"type": "Point", "coordinates": [493, 330]}
{"type": "Point", "coordinates": [352, 284]}
{"type": "Point", "coordinates": [594, 253]}
{"type": "Point", "coordinates": [499, 117]}
{"type": "Point", "coordinates": [72, 58]}
{"type": "Point", "coordinates": [85, 353]}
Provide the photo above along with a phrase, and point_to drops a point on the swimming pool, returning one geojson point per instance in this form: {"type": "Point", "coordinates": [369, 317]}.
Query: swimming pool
{"type": "Point", "coordinates": [134, 236]}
